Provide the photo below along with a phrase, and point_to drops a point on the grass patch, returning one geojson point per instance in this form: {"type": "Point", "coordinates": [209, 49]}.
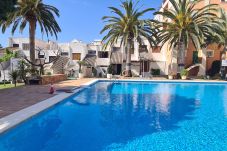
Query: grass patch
{"type": "Point", "coordinates": [8, 86]}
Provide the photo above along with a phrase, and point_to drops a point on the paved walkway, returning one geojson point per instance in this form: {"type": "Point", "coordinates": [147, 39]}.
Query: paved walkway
{"type": "Point", "coordinates": [15, 99]}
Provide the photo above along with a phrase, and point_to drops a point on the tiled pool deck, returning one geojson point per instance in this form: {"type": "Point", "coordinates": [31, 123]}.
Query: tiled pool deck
{"type": "Point", "coordinates": [15, 99]}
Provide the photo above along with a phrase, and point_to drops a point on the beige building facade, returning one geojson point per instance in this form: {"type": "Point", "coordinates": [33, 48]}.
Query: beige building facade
{"type": "Point", "coordinates": [206, 56]}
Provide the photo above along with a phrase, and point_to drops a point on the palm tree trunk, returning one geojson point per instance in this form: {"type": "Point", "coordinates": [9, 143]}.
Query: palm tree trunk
{"type": "Point", "coordinates": [181, 56]}
{"type": "Point", "coordinates": [128, 72]}
{"type": "Point", "coordinates": [32, 28]}
{"type": "Point", "coordinates": [223, 57]}
{"type": "Point", "coordinates": [224, 51]}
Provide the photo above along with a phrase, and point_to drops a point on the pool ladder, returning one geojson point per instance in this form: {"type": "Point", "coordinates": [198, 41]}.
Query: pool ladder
{"type": "Point", "coordinates": [114, 80]}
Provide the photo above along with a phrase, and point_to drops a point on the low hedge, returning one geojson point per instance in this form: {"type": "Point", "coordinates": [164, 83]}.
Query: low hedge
{"type": "Point", "coordinates": [7, 82]}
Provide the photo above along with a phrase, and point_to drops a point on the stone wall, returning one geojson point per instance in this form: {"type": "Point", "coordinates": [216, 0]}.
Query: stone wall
{"type": "Point", "coordinates": [53, 79]}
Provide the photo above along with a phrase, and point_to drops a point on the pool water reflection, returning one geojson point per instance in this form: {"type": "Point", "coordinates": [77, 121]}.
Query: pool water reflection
{"type": "Point", "coordinates": [128, 116]}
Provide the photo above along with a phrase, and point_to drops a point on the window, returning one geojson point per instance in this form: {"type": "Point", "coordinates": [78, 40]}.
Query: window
{"type": "Point", "coordinates": [210, 54]}
{"type": "Point", "coordinates": [91, 52]}
{"type": "Point", "coordinates": [156, 49]}
{"type": "Point", "coordinates": [41, 56]}
{"type": "Point", "coordinates": [52, 58]}
{"type": "Point", "coordinates": [103, 54]}
{"type": "Point", "coordinates": [116, 49]}
{"type": "Point", "coordinates": [64, 53]}
{"type": "Point", "coordinates": [143, 48]}
{"type": "Point", "coordinates": [25, 46]}
{"type": "Point", "coordinates": [15, 45]}
{"type": "Point", "coordinates": [76, 56]}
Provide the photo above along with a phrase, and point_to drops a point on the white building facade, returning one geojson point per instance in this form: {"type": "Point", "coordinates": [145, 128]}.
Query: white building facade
{"type": "Point", "coordinates": [143, 57]}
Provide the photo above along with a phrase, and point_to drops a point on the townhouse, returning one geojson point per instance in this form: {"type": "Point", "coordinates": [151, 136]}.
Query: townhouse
{"type": "Point", "coordinates": [200, 61]}
{"type": "Point", "coordinates": [143, 57]}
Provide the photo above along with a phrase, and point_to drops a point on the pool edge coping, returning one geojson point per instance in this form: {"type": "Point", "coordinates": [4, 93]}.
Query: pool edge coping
{"type": "Point", "coordinates": [14, 119]}
{"type": "Point", "coordinates": [170, 81]}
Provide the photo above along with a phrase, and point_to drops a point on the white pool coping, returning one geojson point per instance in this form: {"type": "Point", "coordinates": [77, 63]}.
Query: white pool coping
{"type": "Point", "coordinates": [170, 81]}
{"type": "Point", "coordinates": [16, 118]}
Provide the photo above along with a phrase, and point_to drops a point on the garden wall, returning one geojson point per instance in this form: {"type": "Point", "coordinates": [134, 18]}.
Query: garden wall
{"type": "Point", "coordinates": [53, 79]}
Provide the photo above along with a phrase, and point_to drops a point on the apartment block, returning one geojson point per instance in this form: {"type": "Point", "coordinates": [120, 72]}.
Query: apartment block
{"type": "Point", "coordinates": [206, 56]}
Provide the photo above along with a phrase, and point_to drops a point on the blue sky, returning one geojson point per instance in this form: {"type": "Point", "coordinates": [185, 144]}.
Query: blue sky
{"type": "Point", "coordinates": [79, 19]}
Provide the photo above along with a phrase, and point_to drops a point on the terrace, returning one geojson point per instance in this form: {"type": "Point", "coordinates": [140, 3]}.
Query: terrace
{"type": "Point", "coordinates": [15, 99]}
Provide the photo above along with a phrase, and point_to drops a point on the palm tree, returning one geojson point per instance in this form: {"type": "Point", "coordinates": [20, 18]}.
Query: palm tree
{"type": "Point", "coordinates": [127, 26]}
{"type": "Point", "coordinates": [6, 6]}
{"type": "Point", "coordinates": [14, 75]}
{"type": "Point", "coordinates": [184, 24]}
{"type": "Point", "coordinates": [223, 31]}
{"type": "Point", "coordinates": [33, 12]}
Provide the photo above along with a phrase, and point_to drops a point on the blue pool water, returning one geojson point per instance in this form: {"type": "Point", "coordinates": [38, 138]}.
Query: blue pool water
{"type": "Point", "coordinates": [129, 116]}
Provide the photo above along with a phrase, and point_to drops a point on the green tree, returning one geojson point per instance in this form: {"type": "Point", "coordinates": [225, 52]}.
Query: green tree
{"type": "Point", "coordinates": [23, 69]}
{"type": "Point", "coordinates": [33, 12]}
{"type": "Point", "coordinates": [127, 26]}
{"type": "Point", "coordinates": [184, 23]}
{"type": "Point", "coordinates": [222, 30]}
{"type": "Point", "coordinates": [6, 57]}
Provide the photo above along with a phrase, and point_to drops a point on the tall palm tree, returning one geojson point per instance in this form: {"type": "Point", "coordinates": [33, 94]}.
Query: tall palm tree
{"type": "Point", "coordinates": [184, 24]}
{"type": "Point", "coordinates": [223, 31]}
{"type": "Point", "coordinates": [6, 6]}
{"type": "Point", "coordinates": [127, 26]}
{"type": "Point", "coordinates": [33, 12]}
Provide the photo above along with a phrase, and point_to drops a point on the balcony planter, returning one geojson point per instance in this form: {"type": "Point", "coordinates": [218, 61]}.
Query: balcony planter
{"type": "Point", "coordinates": [170, 77]}
{"type": "Point", "coordinates": [184, 74]}
{"type": "Point", "coordinates": [183, 77]}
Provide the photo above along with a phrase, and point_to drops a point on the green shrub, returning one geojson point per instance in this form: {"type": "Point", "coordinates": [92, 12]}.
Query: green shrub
{"type": "Point", "coordinates": [49, 73]}
{"type": "Point", "coordinates": [6, 82]}
{"type": "Point", "coordinates": [184, 72]}
{"type": "Point", "coordinates": [110, 69]}
{"type": "Point", "coordinates": [155, 72]}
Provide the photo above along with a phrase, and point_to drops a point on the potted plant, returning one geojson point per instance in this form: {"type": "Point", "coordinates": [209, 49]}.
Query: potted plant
{"type": "Point", "coordinates": [184, 74]}
{"type": "Point", "coordinates": [170, 76]}
{"type": "Point", "coordinates": [109, 72]}
{"type": "Point", "coordinates": [81, 63]}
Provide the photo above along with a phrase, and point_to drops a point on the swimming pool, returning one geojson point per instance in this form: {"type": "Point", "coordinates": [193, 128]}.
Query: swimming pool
{"type": "Point", "coordinates": [129, 116]}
